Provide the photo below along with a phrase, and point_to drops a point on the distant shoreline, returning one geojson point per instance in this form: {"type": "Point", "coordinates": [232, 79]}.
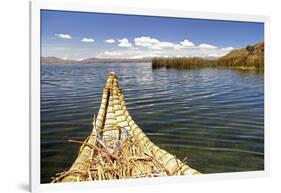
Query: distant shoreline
{"type": "Point", "coordinates": [250, 57]}
{"type": "Point", "coordinates": [55, 60]}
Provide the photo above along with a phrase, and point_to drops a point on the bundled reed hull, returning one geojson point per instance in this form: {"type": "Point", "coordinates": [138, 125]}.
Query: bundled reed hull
{"type": "Point", "coordinates": [117, 148]}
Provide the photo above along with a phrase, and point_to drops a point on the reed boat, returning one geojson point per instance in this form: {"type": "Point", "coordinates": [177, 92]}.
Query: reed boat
{"type": "Point", "coordinates": [117, 148]}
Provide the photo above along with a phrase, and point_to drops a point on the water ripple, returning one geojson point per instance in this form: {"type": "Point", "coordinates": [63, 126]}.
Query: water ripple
{"type": "Point", "coordinates": [214, 117]}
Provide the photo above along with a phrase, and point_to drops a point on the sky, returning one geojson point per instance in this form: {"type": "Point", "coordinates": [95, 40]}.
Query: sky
{"type": "Point", "coordinates": [81, 35]}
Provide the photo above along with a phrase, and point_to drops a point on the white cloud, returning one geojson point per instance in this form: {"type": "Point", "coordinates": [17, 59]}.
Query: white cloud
{"type": "Point", "coordinates": [112, 53]}
{"type": "Point", "coordinates": [124, 43]}
{"type": "Point", "coordinates": [207, 46]}
{"type": "Point", "coordinates": [80, 59]}
{"type": "Point", "coordinates": [90, 40]}
{"type": "Point", "coordinates": [144, 52]}
{"type": "Point", "coordinates": [153, 43]}
{"type": "Point", "coordinates": [65, 57]}
{"type": "Point", "coordinates": [143, 47]}
{"type": "Point", "coordinates": [146, 41]}
{"type": "Point", "coordinates": [167, 45]}
{"type": "Point", "coordinates": [214, 55]}
{"type": "Point", "coordinates": [227, 48]}
{"type": "Point", "coordinates": [63, 36]}
{"type": "Point", "coordinates": [123, 54]}
{"type": "Point", "coordinates": [187, 43]}
{"type": "Point", "coordinates": [110, 41]}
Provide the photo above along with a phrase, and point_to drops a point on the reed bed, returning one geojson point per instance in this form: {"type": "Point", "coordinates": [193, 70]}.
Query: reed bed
{"type": "Point", "coordinates": [250, 57]}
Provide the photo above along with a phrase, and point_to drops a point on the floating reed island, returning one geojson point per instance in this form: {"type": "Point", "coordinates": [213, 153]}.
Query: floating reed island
{"type": "Point", "coordinates": [117, 148]}
{"type": "Point", "coordinates": [250, 57]}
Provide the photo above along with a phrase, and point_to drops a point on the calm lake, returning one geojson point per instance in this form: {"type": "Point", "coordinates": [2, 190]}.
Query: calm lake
{"type": "Point", "coordinates": [212, 117]}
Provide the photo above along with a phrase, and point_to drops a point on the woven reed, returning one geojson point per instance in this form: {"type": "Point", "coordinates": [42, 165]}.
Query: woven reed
{"type": "Point", "coordinates": [117, 148]}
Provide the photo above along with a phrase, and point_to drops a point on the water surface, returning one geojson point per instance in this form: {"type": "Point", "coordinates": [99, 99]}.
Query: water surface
{"type": "Point", "coordinates": [212, 117]}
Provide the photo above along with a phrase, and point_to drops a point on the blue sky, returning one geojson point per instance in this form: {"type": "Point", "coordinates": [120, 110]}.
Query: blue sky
{"type": "Point", "coordinates": [80, 35]}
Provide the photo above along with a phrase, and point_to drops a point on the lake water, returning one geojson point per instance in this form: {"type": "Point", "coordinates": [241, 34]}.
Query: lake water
{"type": "Point", "coordinates": [214, 117]}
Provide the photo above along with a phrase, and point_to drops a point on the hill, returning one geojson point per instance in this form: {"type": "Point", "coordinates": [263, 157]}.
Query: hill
{"type": "Point", "coordinates": [250, 57]}
{"type": "Point", "coordinates": [55, 60]}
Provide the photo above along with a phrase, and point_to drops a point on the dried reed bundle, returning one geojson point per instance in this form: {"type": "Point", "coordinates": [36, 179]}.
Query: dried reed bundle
{"type": "Point", "coordinates": [117, 148]}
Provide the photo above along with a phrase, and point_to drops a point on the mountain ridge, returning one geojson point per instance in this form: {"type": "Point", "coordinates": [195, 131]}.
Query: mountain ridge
{"type": "Point", "coordinates": [56, 60]}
